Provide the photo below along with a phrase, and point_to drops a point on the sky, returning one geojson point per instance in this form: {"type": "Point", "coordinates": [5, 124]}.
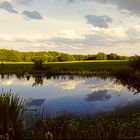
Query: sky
{"type": "Point", "coordinates": [71, 26]}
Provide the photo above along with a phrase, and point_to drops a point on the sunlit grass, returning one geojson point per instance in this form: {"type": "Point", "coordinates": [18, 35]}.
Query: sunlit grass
{"type": "Point", "coordinates": [16, 62]}
{"type": "Point", "coordinates": [75, 67]}
{"type": "Point", "coordinates": [82, 61]}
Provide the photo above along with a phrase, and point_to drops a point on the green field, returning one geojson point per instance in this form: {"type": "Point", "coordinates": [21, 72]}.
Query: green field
{"type": "Point", "coordinates": [73, 66]}
{"type": "Point", "coordinates": [89, 65]}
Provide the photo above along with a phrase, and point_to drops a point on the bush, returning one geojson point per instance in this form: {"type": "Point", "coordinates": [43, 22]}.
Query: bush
{"type": "Point", "coordinates": [38, 62]}
{"type": "Point", "coordinates": [135, 62]}
{"type": "Point", "coordinates": [101, 56]}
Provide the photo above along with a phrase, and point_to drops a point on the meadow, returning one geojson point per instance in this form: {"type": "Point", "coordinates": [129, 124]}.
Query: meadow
{"type": "Point", "coordinates": [75, 67]}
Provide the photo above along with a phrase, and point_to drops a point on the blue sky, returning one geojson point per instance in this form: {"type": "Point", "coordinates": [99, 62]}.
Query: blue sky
{"type": "Point", "coordinates": [72, 26]}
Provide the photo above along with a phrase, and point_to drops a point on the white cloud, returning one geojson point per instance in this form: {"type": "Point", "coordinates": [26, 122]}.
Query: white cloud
{"type": "Point", "coordinates": [133, 32]}
{"type": "Point", "coordinates": [24, 38]}
{"type": "Point", "coordinates": [69, 34]}
{"type": "Point", "coordinates": [95, 37]}
{"type": "Point", "coordinates": [118, 40]}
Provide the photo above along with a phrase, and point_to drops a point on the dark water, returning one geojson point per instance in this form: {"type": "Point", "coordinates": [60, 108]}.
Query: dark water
{"type": "Point", "coordinates": [81, 95]}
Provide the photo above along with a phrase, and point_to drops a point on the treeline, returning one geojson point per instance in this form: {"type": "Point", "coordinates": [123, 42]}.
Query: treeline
{"type": "Point", "coordinates": [53, 56]}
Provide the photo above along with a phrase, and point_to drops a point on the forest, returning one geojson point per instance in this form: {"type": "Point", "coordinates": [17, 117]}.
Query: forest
{"type": "Point", "coordinates": [54, 56]}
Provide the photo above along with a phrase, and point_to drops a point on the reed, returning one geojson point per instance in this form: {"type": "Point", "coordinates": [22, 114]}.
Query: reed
{"type": "Point", "coordinates": [11, 115]}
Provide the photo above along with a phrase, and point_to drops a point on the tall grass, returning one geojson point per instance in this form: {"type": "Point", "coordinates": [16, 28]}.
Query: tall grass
{"type": "Point", "coordinates": [105, 126]}
{"type": "Point", "coordinates": [11, 115]}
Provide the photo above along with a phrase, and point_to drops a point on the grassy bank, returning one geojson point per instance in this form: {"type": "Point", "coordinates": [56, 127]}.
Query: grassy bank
{"type": "Point", "coordinates": [89, 66]}
{"type": "Point", "coordinates": [60, 67]}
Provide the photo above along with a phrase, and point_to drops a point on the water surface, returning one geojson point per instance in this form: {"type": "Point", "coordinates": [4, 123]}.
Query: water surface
{"type": "Point", "coordinates": [73, 94]}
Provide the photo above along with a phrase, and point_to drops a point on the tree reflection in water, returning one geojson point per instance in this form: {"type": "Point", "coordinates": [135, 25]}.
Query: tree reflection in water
{"type": "Point", "coordinates": [126, 77]}
{"type": "Point", "coordinates": [38, 80]}
{"type": "Point", "coordinates": [129, 79]}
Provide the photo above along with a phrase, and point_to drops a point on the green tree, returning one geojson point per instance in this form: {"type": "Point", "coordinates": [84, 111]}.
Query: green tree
{"type": "Point", "coordinates": [112, 56]}
{"type": "Point", "coordinates": [65, 57]}
{"type": "Point", "coordinates": [135, 62]}
{"type": "Point", "coordinates": [91, 57]}
{"type": "Point", "coordinates": [101, 56]}
{"type": "Point", "coordinates": [79, 57]}
{"type": "Point", "coordinates": [38, 62]}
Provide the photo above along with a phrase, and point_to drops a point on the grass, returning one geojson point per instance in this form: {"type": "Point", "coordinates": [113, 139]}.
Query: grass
{"type": "Point", "coordinates": [11, 113]}
{"type": "Point", "coordinates": [90, 65]}
{"type": "Point", "coordinates": [70, 126]}
{"type": "Point", "coordinates": [75, 67]}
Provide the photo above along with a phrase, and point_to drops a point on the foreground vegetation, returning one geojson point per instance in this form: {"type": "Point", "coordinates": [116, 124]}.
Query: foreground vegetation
{"type": "Point", "coordinates": [11, 116]}
{"type": "Point", "coordinates": [65, 125]}
{"type": "Point", "coordinates": [70, 126]}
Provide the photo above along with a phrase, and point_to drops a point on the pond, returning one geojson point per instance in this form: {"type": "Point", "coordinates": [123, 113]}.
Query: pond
{"type": "Point", "coordinates": [80, 95]}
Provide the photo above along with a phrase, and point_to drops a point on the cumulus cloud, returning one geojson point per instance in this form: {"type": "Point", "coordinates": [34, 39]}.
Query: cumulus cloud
{"type": "Point", "coordinates": [99, 21]}
{"type": "Point", "coordinates": [32, 15]}
{"type": "Point", "coordinates": [29, 38]}
{"type": "Point", "coordinates": [8, 7]}
{"type": "Point", "coordinates": [119, 40]}
{"type": "Point", "coordinates": [95, 37]}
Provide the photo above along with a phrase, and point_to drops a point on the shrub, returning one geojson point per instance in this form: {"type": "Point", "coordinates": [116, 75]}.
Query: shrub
{"type": "Point", "coordinates": [101, 56]}
{"type": "Point", "coordinates": [38, 62]}
{"type": "Point", "coordinates": [135, 62]}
